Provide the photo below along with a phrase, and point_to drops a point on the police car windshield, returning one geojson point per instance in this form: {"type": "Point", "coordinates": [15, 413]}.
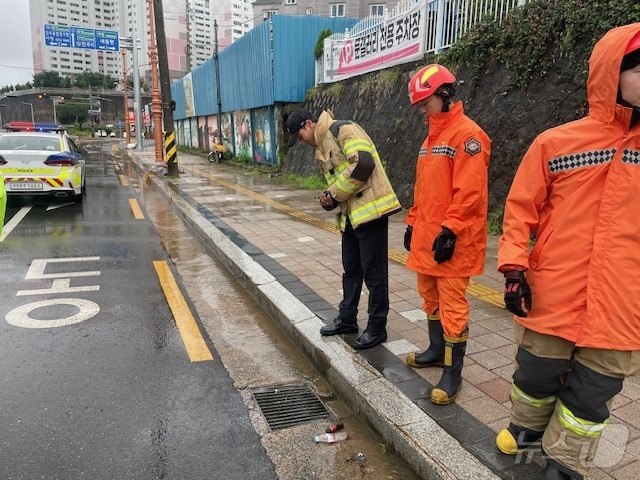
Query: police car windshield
{"type": "Point", "coordinates": [27, 142]}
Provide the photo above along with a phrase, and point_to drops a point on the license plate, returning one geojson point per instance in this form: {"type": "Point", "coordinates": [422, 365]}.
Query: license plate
{"type": "Point", "coordinates": [25, 185]}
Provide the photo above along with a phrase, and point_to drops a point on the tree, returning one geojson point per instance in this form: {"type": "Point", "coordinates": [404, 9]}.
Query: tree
{"type": "Point", "coordinates": [47, 79]}
{"type": "Point", "coordinates": [69, 113]}
{"type": "Point", "coordinates": [317, 51]}
{"type": "Point", "coordinates": [94, 79]}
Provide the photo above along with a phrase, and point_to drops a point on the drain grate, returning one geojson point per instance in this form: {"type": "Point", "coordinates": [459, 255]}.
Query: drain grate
{"type": "Point", "coordinates": [285, 406]}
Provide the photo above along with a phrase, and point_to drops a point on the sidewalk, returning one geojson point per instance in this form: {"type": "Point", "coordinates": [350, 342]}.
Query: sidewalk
{"type": "Point", "coordinates": [285, 247]}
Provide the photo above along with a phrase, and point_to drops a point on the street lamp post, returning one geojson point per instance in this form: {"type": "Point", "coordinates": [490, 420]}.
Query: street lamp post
{"type": "Point", "coordinates": [31, 105]}
{"type": "Point", "coordinates": [155, 89]}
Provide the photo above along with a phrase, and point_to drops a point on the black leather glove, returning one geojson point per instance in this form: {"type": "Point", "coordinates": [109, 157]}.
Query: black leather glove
{"type": "Point", "coordinates": [407, 238]}
{"type": "Point", "coordinates": [443, 245]}
{"type": "Point", "coordinates": [516, 288]}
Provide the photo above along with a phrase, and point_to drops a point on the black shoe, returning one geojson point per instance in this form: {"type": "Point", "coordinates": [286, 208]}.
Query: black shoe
{"type": "Point", "coordinates": [368, 340]}
{"type": "Point", "coordinates": [338, 328]}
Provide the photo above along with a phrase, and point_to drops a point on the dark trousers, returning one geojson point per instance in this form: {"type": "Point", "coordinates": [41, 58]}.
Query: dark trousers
{"type": "Point", "coordinates": [365, 257]}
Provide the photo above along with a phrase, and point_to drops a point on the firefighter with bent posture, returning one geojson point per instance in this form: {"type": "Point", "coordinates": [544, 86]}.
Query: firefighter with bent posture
{"type": "Point", "coordinates": [447, 224]}
{"type": "Point", "coordinates": [359, 187]}
{"type": "Point", "coordinates": [578, 187]}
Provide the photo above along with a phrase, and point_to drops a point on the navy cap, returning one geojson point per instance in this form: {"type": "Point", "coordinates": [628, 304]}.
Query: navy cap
{"type": "Point", "coordinates": [295, 121]}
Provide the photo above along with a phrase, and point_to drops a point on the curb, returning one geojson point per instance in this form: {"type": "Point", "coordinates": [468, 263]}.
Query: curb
{"type": "Point", "coordinates": [417, 438]}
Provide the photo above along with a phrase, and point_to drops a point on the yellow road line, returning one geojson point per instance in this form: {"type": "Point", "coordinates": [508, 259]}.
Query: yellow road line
{"type": "Point", "coordinates": [123, 180]}
{"type": "Point", "coordinates": [194, 343]}
{"type": "Point", "coordinates": [137, 212]}
{"type": "Point", "coordinates": [482, 292]}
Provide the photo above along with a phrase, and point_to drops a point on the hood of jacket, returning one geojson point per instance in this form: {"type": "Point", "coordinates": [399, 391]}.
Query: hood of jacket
{"type": "Point", "coordinates": [604, 73]}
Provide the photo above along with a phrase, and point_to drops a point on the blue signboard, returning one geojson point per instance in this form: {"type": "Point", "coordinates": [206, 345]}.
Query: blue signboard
{"type": "Point", "coordinates": [78, 37]}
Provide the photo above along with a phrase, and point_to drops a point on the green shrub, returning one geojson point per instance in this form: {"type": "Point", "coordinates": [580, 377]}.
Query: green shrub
{"type": "Point", "coordinates": [319, 48]}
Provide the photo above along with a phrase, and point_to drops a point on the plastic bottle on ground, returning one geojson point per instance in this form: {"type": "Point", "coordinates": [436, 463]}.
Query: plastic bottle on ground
{"type": "Point", "coordinates": [330, 437]}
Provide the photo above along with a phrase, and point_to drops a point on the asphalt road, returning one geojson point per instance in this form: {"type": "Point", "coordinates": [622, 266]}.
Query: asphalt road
{"type": "Point", "coordinates": [96, 379]}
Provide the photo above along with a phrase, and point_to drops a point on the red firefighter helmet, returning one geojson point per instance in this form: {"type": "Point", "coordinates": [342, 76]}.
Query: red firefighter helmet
{"type": "Point", "coordinates": [427, 81]}
{"type": "Point", "coordinates": [634, 44]}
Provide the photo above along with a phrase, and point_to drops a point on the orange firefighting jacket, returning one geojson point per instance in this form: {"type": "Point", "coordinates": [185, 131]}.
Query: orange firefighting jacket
{"type": "Point", "coordinates": [451, 191]}
{"type": "Point", "coordinates": [579, 186]}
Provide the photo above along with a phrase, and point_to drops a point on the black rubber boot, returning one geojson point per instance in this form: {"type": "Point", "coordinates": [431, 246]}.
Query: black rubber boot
{"type": "Point", "coordinates": [447, 389]}
{"type": "Point", "coordinates": [434, 355]}
{"type": "Point", "coordinates": [557, 471]}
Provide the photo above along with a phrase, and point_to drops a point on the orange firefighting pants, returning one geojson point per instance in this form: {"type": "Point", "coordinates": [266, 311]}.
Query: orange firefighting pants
{"type": "Point", "coordinates": [447, 296]}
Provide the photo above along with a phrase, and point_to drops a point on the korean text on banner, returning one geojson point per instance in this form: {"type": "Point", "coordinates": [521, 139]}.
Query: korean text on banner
{"type": "Point", "coordinates": [394, 41]}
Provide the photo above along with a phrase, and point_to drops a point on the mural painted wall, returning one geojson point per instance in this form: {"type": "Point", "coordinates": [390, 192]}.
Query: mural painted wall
{"type": "Point", "coordinates": [203, 140]}
{"type": "Point", "coordinates": [227, 132]}
{"type": "Point", "coordinates": [181, 137]}
{"type": "Point", "coordinates": [242, 130]}
{"type": "Point", "coordinates": [194, 132]}
{"type": "Point", "coordinates": [212, 131]}
{"type": "Point", "coordinates": [188, 95]}
{"type": "Point", "coordinates": [262, 134]}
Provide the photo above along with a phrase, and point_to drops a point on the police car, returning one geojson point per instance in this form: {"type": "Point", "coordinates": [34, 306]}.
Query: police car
{"type": "Point", "coordinates": [41, 159]}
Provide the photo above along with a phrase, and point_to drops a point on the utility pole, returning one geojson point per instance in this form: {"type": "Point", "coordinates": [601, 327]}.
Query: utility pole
{"type": "Point", "coordinates": [165, 89]}
{"type": "Point", "coordinates": [217, 60]}
{"type": "Point", "coordinates": [155, 90]}
{"type": "Point", "coordinates": [136, 91]}
{"type": "Point", "coordinates": [127, 128]}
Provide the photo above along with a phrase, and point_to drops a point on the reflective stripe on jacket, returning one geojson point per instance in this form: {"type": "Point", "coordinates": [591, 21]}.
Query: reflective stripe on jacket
{"type": "Point", "coordinates": [356, 178]}
{"type": "Point", "coordinates": [451, 191]}
{"type": "Point", "coordinates": [578, 186]}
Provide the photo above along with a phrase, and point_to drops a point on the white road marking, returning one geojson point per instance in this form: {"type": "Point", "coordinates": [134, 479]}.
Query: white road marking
{"type": "Point", "coordinates": [19, 316]}
{"type": "Point", "coordinates": [11, 224]}
{"type": "Point", "coordinates": [53, 207]}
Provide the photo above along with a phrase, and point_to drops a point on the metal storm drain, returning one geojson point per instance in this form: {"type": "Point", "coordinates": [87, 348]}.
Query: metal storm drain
{"type": "Point", "coordinates": [285, 406]}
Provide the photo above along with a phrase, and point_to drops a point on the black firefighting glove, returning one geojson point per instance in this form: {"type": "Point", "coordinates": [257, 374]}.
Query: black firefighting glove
{"type": "Point", "coordinates": [443, 245]}
{"type": "Point", "coordinates": [335, 204]}
{"type": "Point", "coordinates": [516, 289]}
{"type": "Point", "coordinates": [407, 238]}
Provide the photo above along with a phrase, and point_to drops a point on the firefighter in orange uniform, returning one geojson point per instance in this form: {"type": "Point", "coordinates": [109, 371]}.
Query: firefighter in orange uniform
{"type": "Point", "coordinates": [578, 187]}
{"type": "Point", "coordinates": [447, 224]}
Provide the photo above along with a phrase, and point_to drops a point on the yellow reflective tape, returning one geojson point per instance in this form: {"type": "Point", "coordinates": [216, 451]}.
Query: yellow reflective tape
{"type": "Point", "coordinates": [448, 354]}
{"type": "Point", "coordinates": [522, 397]}
{"type": "Point", "coordinates": [452, 340]}
{"type": "Point", "coordinates": [135, 208]}
{"type": "Point", "coordinates": [359, 147]}
{"type": "Point", "coordinates": [381, 205]}
{"type": "Point", "coordinates": [346, 186]}
{"type": "Point", "coordinates": [577, 425]}
{"type": "Point", "coordinates": [194, 343]}
{"type": "Point", "coordinates": [433, 317]}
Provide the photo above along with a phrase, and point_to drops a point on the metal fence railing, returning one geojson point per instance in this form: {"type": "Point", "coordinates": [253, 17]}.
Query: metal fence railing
{"type": "Point", "coordinates": [445, 22]}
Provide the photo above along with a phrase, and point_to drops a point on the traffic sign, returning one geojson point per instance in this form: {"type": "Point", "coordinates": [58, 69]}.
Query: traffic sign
{"type": "Point", "coordinates": [79, 37]}
{"type": "Point", "coordinates": [94, 112]}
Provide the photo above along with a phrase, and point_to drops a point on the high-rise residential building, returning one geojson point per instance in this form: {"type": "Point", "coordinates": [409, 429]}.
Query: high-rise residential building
{"type": "Point", "coordinates": [189, 32]}
{"type": "Point", "coordinates": [263, 9]}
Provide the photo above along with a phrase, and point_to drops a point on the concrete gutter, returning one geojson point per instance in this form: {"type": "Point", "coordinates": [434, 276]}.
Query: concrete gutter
{"type": "Point", "coordinates": [417, 438]}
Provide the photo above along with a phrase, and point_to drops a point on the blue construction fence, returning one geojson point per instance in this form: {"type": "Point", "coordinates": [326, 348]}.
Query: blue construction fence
{"type": "Point", "coordinates": [272, 64]}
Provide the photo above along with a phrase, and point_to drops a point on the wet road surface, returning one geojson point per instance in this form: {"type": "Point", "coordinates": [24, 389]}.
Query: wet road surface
{"type": "Point", "coordinates": [96, 381]}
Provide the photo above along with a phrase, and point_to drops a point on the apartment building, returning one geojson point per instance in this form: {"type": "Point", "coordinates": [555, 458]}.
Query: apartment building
{"type": "Point", "coordinates": [189, 32]}
{"type": "Point", "coordinates": [263, 9]}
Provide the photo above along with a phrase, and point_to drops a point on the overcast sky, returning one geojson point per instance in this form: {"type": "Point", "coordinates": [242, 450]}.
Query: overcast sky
{"type": "Point", "coordinates": [16, 55]}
